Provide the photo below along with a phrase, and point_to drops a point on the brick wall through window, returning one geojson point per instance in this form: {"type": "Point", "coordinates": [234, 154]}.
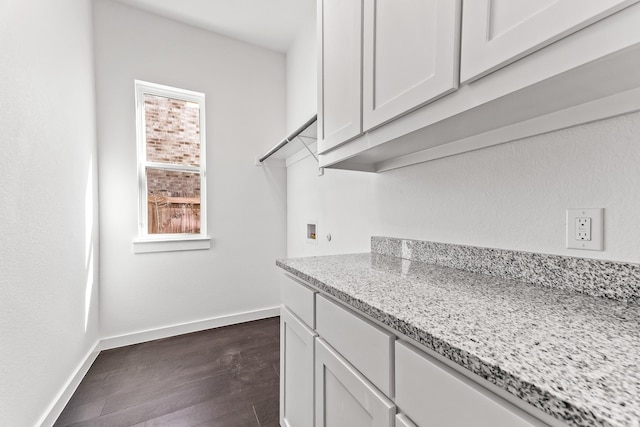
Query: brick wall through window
{"type": "Point", "coordinates": [172, 129]}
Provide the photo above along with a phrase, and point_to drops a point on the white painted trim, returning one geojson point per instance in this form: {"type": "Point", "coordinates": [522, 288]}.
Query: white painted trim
{"type": "Point", "coordinates": [185, 328]}
{"type": "Point", "coordinates": [169, 91]}
{"type": "Point", "coordinates": [143, 246]}
{"type": "Point", "coordinates": [60, 401]}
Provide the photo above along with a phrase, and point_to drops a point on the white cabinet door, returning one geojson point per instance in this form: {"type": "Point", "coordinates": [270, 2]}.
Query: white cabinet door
{"type": "Point", "coordinates": [403, 421]}
{"type": "Point", "coordinates": [411, 54]}
{"type": "Point", "coordinates": [344, 397]}
{"type": "Point", "coordinates": [432, 394]}
{"type": "Point", "coordinates": [339, 72]}
{"type": "Point", "coordinates": [497, 32]}
{"type": "Point", "coordinates": [296, 371]}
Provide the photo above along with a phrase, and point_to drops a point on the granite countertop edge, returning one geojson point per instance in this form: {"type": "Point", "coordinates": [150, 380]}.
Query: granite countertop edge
{"type": "Point", "coordinates": [556, 407]}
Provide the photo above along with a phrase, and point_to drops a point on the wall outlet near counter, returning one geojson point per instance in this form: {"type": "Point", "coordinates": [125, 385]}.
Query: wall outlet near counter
{"type": "Point", "coordinates": [585, 229]}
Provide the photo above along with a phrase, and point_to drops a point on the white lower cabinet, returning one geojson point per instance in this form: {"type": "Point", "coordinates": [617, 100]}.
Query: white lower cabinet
{"type": "Point", "coordinates": [296, 371]}
{"type": "Point", "coordinates": [344, 397]}
{"type": "Point", "coordinates": [350, 372]}
{"type": "Point", "coordinates": [432, 394]}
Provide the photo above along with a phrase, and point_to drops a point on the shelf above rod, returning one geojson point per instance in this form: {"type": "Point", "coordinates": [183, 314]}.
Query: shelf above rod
{"type": "Point", "coordinates": [289, 138]}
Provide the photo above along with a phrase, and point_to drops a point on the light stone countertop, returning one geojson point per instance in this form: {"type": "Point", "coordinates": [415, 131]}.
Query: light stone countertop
{"type": "Point", "coordinates": [574, 356]}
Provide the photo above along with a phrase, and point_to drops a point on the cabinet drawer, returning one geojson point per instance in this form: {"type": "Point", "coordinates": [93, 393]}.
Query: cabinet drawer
{"type": "Point", "coordinates": [367, 347]}
{"type": "Point", "coordinates": [432, 394]}
{"type": "Point", "coordinates": [299, 299]}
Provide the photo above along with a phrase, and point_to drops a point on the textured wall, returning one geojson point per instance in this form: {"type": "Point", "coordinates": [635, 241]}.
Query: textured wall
{"type": "Point", "coordinates": [302, 91]}
{"type": "Point", "coordinates": [340, 201]}
{"type": "Point", "coordinates": [48, 218]}
{"type": "Point", "coordinates": [510, 196]}
{"type": "Point", "coordinates": [245, 100]}
{"type": "Point", "coordinates": [515, 196]}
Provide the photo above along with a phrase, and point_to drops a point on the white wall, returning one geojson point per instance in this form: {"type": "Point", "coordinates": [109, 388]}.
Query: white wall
{"type": "Point", "coordinates": [48, 221]}
{"type": "Point", "coordinates": [515, 196]}
{"type": "Point", "coordinates": [302, 72]}
{"type": "Point", "coordinates": [245, 100]}
{"type": "Point", "coordinates": [511, 196]}
{"type": "Point", "coordinates": [340, 200]}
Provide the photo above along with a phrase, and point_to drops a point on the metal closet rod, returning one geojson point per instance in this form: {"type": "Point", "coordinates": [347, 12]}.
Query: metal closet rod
{"type": "Point", "coordinates": [289, 138]}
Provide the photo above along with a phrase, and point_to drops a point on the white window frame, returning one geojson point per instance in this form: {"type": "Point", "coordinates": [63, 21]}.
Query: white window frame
{"type": "Point", "coordinates": [146, 242]}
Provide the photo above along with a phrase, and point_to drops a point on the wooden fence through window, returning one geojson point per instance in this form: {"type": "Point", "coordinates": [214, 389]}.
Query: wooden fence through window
{"type": "Point", "coordinates": [173, 215]}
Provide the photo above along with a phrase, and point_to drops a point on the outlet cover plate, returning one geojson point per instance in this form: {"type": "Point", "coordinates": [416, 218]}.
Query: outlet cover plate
{"type": "Point", "coordinates": [596, 215]}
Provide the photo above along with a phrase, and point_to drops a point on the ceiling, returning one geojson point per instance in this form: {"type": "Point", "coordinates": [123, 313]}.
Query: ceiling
{"type": "Point", "coordinates": [272, 24]}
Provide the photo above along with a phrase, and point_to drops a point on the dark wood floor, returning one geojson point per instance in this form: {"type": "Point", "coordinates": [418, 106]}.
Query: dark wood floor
{"type": "Point", "coordinates": [220, 377]}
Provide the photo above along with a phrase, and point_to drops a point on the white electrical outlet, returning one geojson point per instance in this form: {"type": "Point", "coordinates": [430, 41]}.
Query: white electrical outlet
{"type": "Point", "coordinates": [585, 229]}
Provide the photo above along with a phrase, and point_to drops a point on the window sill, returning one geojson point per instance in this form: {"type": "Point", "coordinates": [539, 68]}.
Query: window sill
{"type": "Point", "coordinates": [173, 244]}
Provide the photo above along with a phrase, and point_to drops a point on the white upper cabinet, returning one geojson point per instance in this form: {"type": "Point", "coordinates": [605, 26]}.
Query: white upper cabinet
{"type": "Point", "coordinates": [498, 32]}
{"type": "Point", "coordinates": [339, 72]}
{"type": "Point", "coordinates": [407, 81]}
{"type": "Point", "coordinates": [410, 56]}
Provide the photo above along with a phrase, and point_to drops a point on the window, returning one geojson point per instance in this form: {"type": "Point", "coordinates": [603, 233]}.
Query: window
{"type": "Point", "coordinates": [171, 168]}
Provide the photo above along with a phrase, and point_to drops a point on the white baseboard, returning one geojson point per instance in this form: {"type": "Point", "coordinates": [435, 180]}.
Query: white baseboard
{"type": "Point", "coordinates": [185, 328]}
{"type": "Point", "coordinates": [55, 409]}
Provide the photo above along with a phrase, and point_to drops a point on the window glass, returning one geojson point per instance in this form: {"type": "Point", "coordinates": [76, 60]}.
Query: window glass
{"type": "Point", "coordinates": [172, 130]}
{"type": "Point", "coordinates": [171, 160]}
{"type": "Point", "coordinates": [173, 202]}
